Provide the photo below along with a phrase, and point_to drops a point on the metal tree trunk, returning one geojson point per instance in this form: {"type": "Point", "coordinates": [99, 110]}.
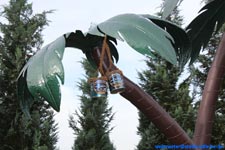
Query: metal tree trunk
{"type": "Point", "coordinates": [203, 128]}
{"type": "Point", "coordinates": [146, 104]}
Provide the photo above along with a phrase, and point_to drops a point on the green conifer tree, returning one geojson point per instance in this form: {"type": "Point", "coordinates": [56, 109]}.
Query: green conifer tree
{"type": "Point", "coordinates": [93, 126]}
{"type": "Point", "coordinates": [20, 37]}
{"type": "Point", "coordinates": [160, 80]}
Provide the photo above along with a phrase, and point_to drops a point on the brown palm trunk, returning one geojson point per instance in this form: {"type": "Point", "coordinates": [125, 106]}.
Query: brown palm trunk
{"type": "Point", "coordinates": [203, 128]}
{"type": "Point", "coordinates": [146, 104]}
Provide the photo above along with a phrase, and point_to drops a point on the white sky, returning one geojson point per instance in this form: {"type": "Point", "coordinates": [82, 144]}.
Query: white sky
{"type": "Point", "coordinates": [71, 15]}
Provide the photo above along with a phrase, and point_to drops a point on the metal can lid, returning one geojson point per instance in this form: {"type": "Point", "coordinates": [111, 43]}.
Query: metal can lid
{"type": "Point", "coordinates": [114, 72]}
{"type": "Point", "coordinates": [93, 79]}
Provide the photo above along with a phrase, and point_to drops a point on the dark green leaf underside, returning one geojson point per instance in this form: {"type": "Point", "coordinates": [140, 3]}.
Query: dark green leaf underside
{"type": "Point", "coordinates": [200, 30]}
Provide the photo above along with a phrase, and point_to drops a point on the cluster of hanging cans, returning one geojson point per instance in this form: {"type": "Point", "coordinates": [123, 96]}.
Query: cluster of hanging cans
{"type": "Point", "coordinates": [112, 81]}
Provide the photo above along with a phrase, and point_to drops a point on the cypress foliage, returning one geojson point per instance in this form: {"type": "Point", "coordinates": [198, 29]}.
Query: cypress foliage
{"type": "Point", "coordinates": [93, 126]}
{"type": "Point", "coordinates": [20, 37]}
{"type": "Point", "coordinates": [160, 80]}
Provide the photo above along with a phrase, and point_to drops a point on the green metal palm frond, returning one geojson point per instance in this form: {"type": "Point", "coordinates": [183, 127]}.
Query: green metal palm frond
{"type": "Point", "coordinates": [140, 33]}
{"type": "Point", "coordinates": [181, 43]}
{"type": "Point", "coordinates": [41, 76]}
{"type": "Point", "coordinates": [200, 30]}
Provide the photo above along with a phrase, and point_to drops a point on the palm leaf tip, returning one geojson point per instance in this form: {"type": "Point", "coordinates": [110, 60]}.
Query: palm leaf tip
{"type": "Point", "coordinates": [210, 19]}
{"type": "Point", "coordinates": [42, 75]}
{"type": "Point", "coordinates": [168, 7]}
{"type": "Point", "coordinates": [23, 94]}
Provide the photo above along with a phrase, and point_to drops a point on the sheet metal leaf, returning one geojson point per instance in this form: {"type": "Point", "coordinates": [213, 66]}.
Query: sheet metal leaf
{"type": "Point", "coordinates": [210, 19]}
{"type": "Point", "coordinates": [44, 72]}
{"type": "Point", "coordinates": [140, 33]}
{"type": "Point", "coordinates": [182, 44]}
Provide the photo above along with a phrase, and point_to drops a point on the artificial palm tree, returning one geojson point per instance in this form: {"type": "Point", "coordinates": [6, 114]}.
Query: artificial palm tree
{"type": "Point", "coordinates": [145, 33]}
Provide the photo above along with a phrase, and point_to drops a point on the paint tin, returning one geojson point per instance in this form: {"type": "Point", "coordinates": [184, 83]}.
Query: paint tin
{"type": "Point", "coordinates": [115, 79]}
{"type": "Point", "coordinates": [98, 87]}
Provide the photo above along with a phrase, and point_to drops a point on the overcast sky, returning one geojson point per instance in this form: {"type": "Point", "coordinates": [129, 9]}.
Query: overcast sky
{"type": "Point", "coordinates": [71, 15]}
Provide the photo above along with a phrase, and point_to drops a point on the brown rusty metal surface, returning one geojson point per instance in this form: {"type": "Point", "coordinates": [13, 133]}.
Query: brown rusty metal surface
{"type": "Point", "coordinates": [203, 128]}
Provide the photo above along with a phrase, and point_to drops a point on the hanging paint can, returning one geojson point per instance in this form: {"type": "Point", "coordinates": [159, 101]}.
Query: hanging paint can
{"type": "Point", "coordinates": [98, 87]}
{"type": "Point", "coordinates": [115, 79]}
